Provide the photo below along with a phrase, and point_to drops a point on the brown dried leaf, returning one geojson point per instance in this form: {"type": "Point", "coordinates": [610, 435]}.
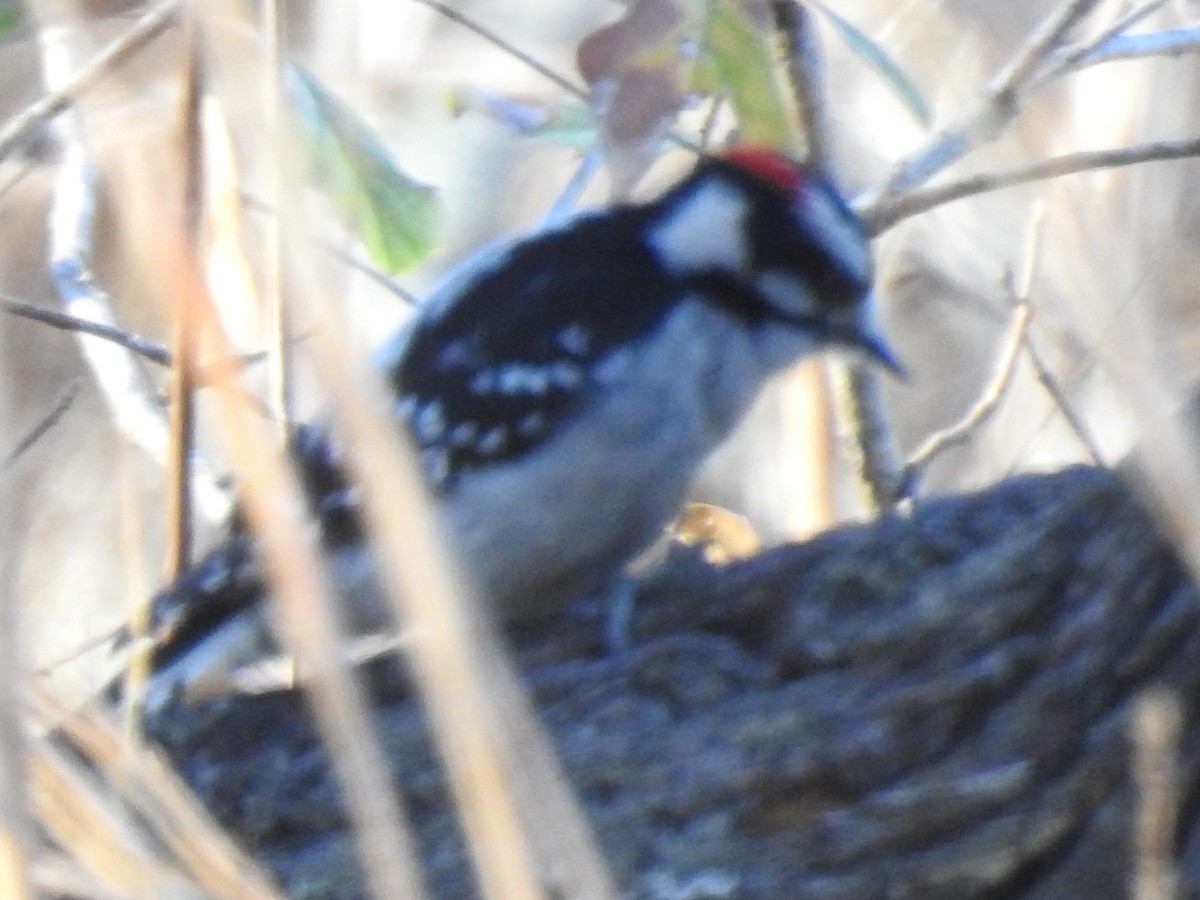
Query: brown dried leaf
{"type": "Point", "coordinates": [726, 536]}
{"type": "Point", "coordinates": [647, 27]}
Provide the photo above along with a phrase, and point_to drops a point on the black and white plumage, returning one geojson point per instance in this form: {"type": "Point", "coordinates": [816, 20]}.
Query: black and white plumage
{"type": "Point", "coordinates": [563, 388]}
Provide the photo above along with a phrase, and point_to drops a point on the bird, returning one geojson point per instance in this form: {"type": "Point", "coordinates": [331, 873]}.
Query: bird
{"type": "Point", "coordinates": [561, 388]}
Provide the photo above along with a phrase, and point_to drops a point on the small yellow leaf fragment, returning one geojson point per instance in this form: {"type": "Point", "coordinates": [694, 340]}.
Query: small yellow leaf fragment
{"type": "Point", "coordinates": [726, 536]}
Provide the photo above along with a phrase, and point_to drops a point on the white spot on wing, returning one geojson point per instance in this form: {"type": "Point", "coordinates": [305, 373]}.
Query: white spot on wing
{"type": "Point", "coordinates": [493, 441]}
{"type": "Point", "coordinates": [705, 230]}
{"type": "Point", "coordinates": [575, 339]}
{"type": "Point", "coordinates": [436, 463]}
{"type": "Point", "coordinates": [786, 292]}
{"type": "Point", "coordinates": [406, 406]}
{"type": "Point", "coordinates": [429, 423]}
{"type": "Point", "coordinates": [463, 434]}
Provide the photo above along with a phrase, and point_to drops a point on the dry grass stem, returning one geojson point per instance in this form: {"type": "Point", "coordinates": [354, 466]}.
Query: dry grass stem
{"type": "Point", "coordinates": [1154, 729]}
{"type": "Point", "coordinates": [444, 648]}
{"type": "Point", "coordinates": [168, 807]}
{"type": "Point", "coordinates": [82, 816]}
{"type": "Point", "coordinates": [274, 506]}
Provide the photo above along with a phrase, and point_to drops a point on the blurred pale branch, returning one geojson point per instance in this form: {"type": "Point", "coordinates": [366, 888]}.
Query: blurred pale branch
{"type": "Point", "coordinates": [1051, 386]}
{"type": "Point", "coordinates": [1175, 42]}
{"type": "Point", "coordinates": [806, 73]}
{"type": "Point", "coordinates": [1068, 56]}
{"type": "Point", "coordinates": [989, 401]}
{"type": "Point", "coordinates": [135, 411]}
{"type": "Point", "coordinates": [1039, 61]}
{"type": "Point", "coordinates": [47, 422]}
{"type": "Point", "coordinates": [61, 96]}
{"type": "Point", "coordinates": [885, 213]}
{"type": "Point", "coordinates": [995, 109]}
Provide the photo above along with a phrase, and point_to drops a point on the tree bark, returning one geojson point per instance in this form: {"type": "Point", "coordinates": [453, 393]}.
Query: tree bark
{"type": "Point", "coordinates": [933, 705]}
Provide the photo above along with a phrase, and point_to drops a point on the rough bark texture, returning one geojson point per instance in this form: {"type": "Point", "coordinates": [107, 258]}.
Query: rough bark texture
{"type": "Point", "coordinates": [931, 706]}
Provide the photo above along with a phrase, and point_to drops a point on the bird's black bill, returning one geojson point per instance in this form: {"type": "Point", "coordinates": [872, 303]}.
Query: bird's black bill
{"type": "Point", "coordinates": [878, 350]}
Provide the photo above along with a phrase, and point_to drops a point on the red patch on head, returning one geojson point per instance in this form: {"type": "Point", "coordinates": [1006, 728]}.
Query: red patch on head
{"type": "Point", "coordinates": [769, 165]}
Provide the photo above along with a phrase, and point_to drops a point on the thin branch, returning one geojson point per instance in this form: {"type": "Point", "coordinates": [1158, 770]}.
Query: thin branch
{"type": "Point", "coordinates": [62, 96]}
{"type": "Point", "coordinates": [1045, 39]}
{"type": "Point", "coordinates": [144, 348]}
{"type": "Point", "coordinates": [993, 112]}
{"type": "Point", "coordinates": [1069, 57]}
{"type": "Point", "coordinates": [983, 409]}
{"type": "Point", "coordinates": [1175, 42]}
{"type": "Point", "coordinates": [122, 383]}
{"type": "Point", "coordinates": [806, 73]}
{"type": "Point", "coordinates": [491, 37]}
{"type": "Point", "coordinates": [882, 216]}
{"type": "Point", "coordinates": [1051, 386]}
{"type": "Point", "coordinates": [39, 430]}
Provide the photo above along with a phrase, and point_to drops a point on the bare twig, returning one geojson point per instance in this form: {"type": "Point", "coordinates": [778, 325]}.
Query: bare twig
{"type": "Point", "coordinates": [1175, 42]}
{"type": "Point", "coordinates": [983, 409]}
{"type": "Point", "coordinates": [491, 37]}
{"type": "Point", "coordinates": [1018, 288]}
{"type": "Point", "coordinates": [1071, 57]}
{"type": "Point", "coordinates": [144, 348]}
{"type": "Point", "coordinates": [48, 421]}
{"type": "Point", "coordinates": [64, 95]}
{"type": "Point", "coordinates": [887, 213]}
{"type": "Point", "coordinates": [1051, 386]}
{"type": "Point", "coordinates": [996, 108]}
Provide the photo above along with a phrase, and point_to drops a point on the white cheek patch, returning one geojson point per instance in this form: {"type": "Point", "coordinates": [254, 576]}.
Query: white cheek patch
{"type": "Point", "coordinates": [841, 234]}
{"type": "Point", "coordinates": [705, 231]}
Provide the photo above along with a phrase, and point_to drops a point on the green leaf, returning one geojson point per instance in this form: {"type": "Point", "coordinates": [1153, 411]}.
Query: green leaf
{"type": "Point", "coordinates": [880, 61]}
{"type": "Point", "coordinates": [746, 68]}
{"type": "Point", "coordinates": [9, 20]}
{"type": "Point", "coordinates": [395, 217]}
